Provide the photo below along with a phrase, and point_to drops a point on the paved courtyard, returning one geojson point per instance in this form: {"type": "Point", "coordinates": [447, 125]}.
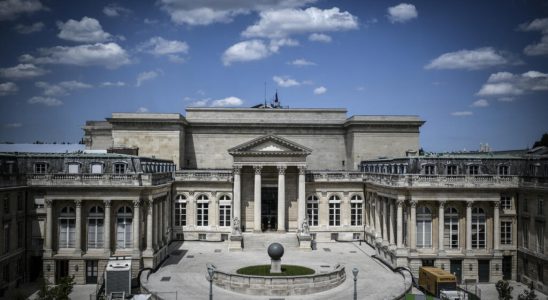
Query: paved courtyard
{"type": "Point", "coordinates": [184, 273]}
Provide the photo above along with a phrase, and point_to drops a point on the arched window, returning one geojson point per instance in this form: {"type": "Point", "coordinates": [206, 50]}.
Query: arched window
{"type": "Point", "coordinates": [451, 228]}
{"type": "Point", "coordinates": [95, 227]}
{"type": "Point", "coordinates": [356, 210]}
{"type": "Point", "coordinates": [478, 228]}
{"type": "Point", "coordinates": [312, 210]}
{"type": "Point", "coordinates": [202, 210]}
{"type": "Point", "coordinates": [124, 220]}
{"type": "Point", "coordinates": [225, 207]}
{"type": "Point", "coordinates": [180, 210]}
{"type": "Point", "coordinates": [67, 227]}
{"type": "Point", "coordinates": [334, 211]}
{"type": "Point", "coordinates": [424, 227]}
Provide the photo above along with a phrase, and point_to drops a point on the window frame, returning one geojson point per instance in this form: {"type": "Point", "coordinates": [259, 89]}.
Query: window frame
{"type": "Point", "coordinates": [67, 228]}
{"type": "Point", "coordinates": [96, 239]}
{"type": "Point", "coordinates": [334, 210]}
{"type": "Point", "coordinates": [451, 219]}
{"type": "Point", "coordinates": [312, 210]}
{"type": "Point", "coordinates": [479, 228]}
{"type": "Point", "coordinates": [180, 210]}
{"type": "Point", "coordinates": [225, 211]}
{"type": "Point", "coordinates": [356, 210]}
{"type": "Point", "coordinates": [424, 221]}
{"type": "Point", "coordinates": [506, 232]}
{"type": "Point", "coordinates": [202, 210]}
{"type": "Point", "coordinates": [124, 217]}
{"type": "Point", "coordinates": [40, 167]}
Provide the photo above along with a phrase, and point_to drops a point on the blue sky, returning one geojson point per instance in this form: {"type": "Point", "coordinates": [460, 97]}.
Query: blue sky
{"type": "Point", "coordinates": [476, 71]}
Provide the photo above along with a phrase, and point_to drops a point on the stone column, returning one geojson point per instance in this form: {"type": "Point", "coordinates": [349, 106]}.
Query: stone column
{"type": "Point", "coordinates": [149, 250]}
{"type": "Point", "coordinates": [106, 245]}
{"type": "Point", "coordinates": [301, 201]}
{"type": "Point", "coordinates": [281, 198]}
{"type": "Point", "coordinates": [391, 220]}
{"type": "Point", "coordinates": [469, 205]}
{"type": "Point", "coordinates": [441, 224]}
{"type": "Point", "coordinates": [496, 226]}
{"type": "Point", "coordinates": [136, 226]}
{"type": "Point", "coordinates": [399, 241]}
{"type": "Point", "coordinates": [237, 209]}
{"type": "Point", "coordinates": [78, 230]}
{"type": "Point", "coordinates": [384, 219]}
{"type": "Point", "coordinates": [257, 200]}
{"type": "Point", "coordinates": [377, 217]}
{"type": "Point", "coordinates": [49, 227]}
{"type": "Point", "coordinates": [413, 225]}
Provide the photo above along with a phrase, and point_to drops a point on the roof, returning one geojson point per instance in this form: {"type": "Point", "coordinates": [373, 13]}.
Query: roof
{"type": "Point", "coordinates": [49, 148]}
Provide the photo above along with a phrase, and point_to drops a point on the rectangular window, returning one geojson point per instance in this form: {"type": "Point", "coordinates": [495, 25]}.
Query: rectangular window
{"type": "Point", "coordinates": [67, 230]}
{"type": "Point", "coordinates": [6, 204]}
{"type": "Point", "coordinates": [96, 169]}
{"type": "Point", "coordinates": [503, 170]}
{"type": "Point", "coordinates": [540, 236]}
{"type": "Point", "coordinates": [505, 202]}
{"type": "Point", "coordinates": [525, 205]}
{"type": "Point", "coordinates": [451, 230]}
{"type": "Point", "coordinates": [20, 234]}
{"type": "Point", "coordinates": [180, 214]}
{"type": "Point", "coordinates": [429, 170]}
{"type": "Point", "coordinates": [202, 236]}
{"type": "Point", "coordinates": [356, 214]}
{"type": "Point", "coordinates": [224, 215]}
{"type": "Point", "coordinates": [532, 170]}
{"type": "Point", "coordinates": [123, 232]}
{"type": "Point", "coordinates": [95, 232]}
{"type": "Point", "coordinates": [540, 207]}
{"type": "Point", "coordinates": [525, 234]}
{"type": "Point", "coordinates": [73, 168]}
{"type": "Point", "coordinates": [119, 168]}
{"type": "Point", "coordinates": [451, 170]}
{"type": "Point", "coordinates": [40, 168]}
{"type": "Point", "coordinates": [506, 233]}
{"type": "Point", "coordinates": [202, 214]}
{"type": "Point", "coordinates": [20, 201]}
{"type": "Point", "coordinates": [312, 212]}
{"type": "Point", "coordinates": [473, 170]}
{"type": "Point", "coordinates": [7, 239]}
{"type": "Point", "coordinates": [334, 214]}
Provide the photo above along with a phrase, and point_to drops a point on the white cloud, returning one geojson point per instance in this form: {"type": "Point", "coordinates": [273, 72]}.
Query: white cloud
{"type": "Point", "coordinates": [87, 30]}
{"type": "Point", "coordinates": [506, 99]}
{"type": "Point", "coordinates": [13, 125]}
{"type": "Point", "coordinates": [476, 59]}
{"type": "Point", "coordinates": [285, 22]}
{"type": "Point", "coordinates": [199, 103]}
{"type": "Point", "coordinates": [145, 76]}
{"type": "Point", "coordinates": [480, 103]}
{"type": "Point", "coordinates": [360, 88]}
{"type": "Point", "coordinates": [115, 84]}
{"type": "Point", "coordinates": [402, 13]}
{"type": "Point", "coordinates": [11, 9]}
{"type": "Point", "coordinates": [109, 55]}
{"type": "Point", "coordinates": [319, 37]}
{"type": "Point", "coordinates": [540, 48]}
{"type": "Point", "coordinates": [28, 29]}
{"type": "Point", "coordinates": [159, 46]}
{"type": "Point", "coordinates": [285, 81]}
{"type": "Point", "coordinates": [505, 84]}
{"type": "Point", "coordinates": [142, 110]}
{"type": "Point", "coordinates": [22, 71]}
{"type": "Point", "coordinates": [47, 101]}
{"type": "Point", "coordinates": [461, 113]}
{"type": "Point", "coordinates": [8, 88]}
{"type": "Point", "coordinates": [320, 90]}
{"type": "Point", "coordinates": [245, 51]}
{"type": "Point", "coordinates": [150, 21]}
{"type": "Point", "coordinates": [115, 10]}
{"type": "Point", "coordinates": [228, 101]}
{"type": "Point", "coordinates": [301, 62]}
{"type": "Point", "coordinates": [220, 11]}
{"type": "Point", "coordinates": [62, 88]}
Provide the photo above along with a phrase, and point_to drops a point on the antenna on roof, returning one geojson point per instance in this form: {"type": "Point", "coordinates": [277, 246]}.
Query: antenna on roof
{"type": "Point", "coordinates": [265, 94]}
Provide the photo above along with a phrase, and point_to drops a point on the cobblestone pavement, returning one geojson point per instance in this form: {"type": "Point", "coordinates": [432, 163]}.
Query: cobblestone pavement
{"type": "Point", "coordinates": [183, 274]}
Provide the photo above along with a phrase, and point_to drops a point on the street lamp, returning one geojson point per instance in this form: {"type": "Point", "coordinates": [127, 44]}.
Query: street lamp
{"type": "Point", "coordinates": [210, 270]}
{"type": "Point", "coordinates": [355, 272]}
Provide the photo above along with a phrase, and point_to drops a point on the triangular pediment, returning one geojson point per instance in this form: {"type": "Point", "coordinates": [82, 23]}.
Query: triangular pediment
{"type": "Point", "coordinates": [270, 145]}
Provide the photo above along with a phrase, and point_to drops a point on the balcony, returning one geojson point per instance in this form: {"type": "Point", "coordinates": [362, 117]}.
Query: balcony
{"type": "Point", "coordinates": [221, 175]}
{"type": "Point", "coordinates": [149, 179]}
{"type": "Point", "coordinates": [325, 176]}
{"type": "Point", "coordinates": [534, 182]}
{"type": "Point", "coordinates": [11, 180]}
{"type": "Point", "coordinates": [445, 181]}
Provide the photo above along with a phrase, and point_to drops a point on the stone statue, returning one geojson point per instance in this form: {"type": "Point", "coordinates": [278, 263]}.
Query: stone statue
{"type": "Point", "coordinates": [236, 230]}
{"type": "Point", "coordinates": [305, 229]}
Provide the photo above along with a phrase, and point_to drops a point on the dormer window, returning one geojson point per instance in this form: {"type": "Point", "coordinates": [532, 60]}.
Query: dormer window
{"type": "Point", "coordinates": [452, 170]}
{"type": "Point", "coordinates": [473, 170]}
{"type": "Point", "coordinates": [120, 168]}
{"type": "Point", "coordinates": [40, 168]}
{"type": "Point", "coordinates": [504, 170]}
{"type": "Point", "coordinates": [96, 168]}
{"type": "Point", "coordinates": [429, 169]}
{"type": "Point", "coordinates": [73, 168]}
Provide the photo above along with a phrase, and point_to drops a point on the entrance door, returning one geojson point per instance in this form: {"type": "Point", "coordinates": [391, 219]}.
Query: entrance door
{"type": "Point", "coordinates": [62, 269]}
{"type": "Point", "coordinates": [269, 208]}
{"type": "Point", "coordinates": [456, 268]}
{"type": "Point", "coordinates": [507, 267]}
{"type": "Point", "coordinates": [483, 270]}
{"type": "Point", "coordinates": [91, 271]}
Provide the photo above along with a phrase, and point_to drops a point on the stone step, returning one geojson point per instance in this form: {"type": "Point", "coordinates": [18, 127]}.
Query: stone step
{"type": "Point", "coordinates": [261, 241]}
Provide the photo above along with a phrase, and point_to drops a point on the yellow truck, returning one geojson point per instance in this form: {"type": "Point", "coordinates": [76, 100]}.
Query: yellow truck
{"type": "Point", "coordinates": [439, 283]}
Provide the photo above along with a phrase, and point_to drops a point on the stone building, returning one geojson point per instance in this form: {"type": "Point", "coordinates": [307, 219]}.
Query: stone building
{"type": "Point", "coordinates": [314, 172]}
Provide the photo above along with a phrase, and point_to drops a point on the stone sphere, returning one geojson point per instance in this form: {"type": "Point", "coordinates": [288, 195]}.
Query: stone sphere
{"type": "Point", "coordinates": [275, 251]}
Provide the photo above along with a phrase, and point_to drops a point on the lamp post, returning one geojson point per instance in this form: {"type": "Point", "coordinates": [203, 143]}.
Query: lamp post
{"type": "Point", "coordinates": [355, 272]}
{"type": "Point", "coordinates": [210, 271]}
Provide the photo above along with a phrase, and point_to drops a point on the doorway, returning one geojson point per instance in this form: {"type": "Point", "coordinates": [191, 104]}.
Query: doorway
{"type": "Point", "coordinates": [91, 271]}
{"type": "Point", "coordinates": [507, 267]}
{"type": "Point", "coordinates": [269, 208]}
{"type": "Point", "coordinates": [61, 269]}
{"type": "Point", "coordinates": [456, 268]}
{"type": "Point", "coordinates": [483, 270]}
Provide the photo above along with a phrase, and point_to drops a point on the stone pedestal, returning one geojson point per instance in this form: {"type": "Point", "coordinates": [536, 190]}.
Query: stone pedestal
{"type": "Point", "coordinates": [305, 242]}
{"type": "Point", "coordinates": [275, 266]}
{"type": "Point", "coordinates": [235, 243]}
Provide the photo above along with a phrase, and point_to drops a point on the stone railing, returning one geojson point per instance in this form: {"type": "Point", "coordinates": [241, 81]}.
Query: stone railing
{"type": "Point", "coordinates": [326, 176]}
{"type": "Point", "coordinates": [534, 182]}
{"type": "Point", "coordinates": [204, 175]}
{"type": "Point", "coordinates": [10, 180]}
{"type": "Point", "coordinates": [447, 181]}
{"type": "Point", "coordinates": [280, 285]}
{"type": "Point", "coordinates": [148, 179]}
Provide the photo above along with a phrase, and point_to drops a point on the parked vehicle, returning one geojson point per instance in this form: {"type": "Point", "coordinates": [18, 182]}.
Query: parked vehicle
{"type": "Point", "coordinates": [440, 283]}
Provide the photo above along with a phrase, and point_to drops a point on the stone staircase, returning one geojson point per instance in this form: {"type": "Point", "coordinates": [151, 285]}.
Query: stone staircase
{"type": "Point", "coordinates": [261, 241]}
